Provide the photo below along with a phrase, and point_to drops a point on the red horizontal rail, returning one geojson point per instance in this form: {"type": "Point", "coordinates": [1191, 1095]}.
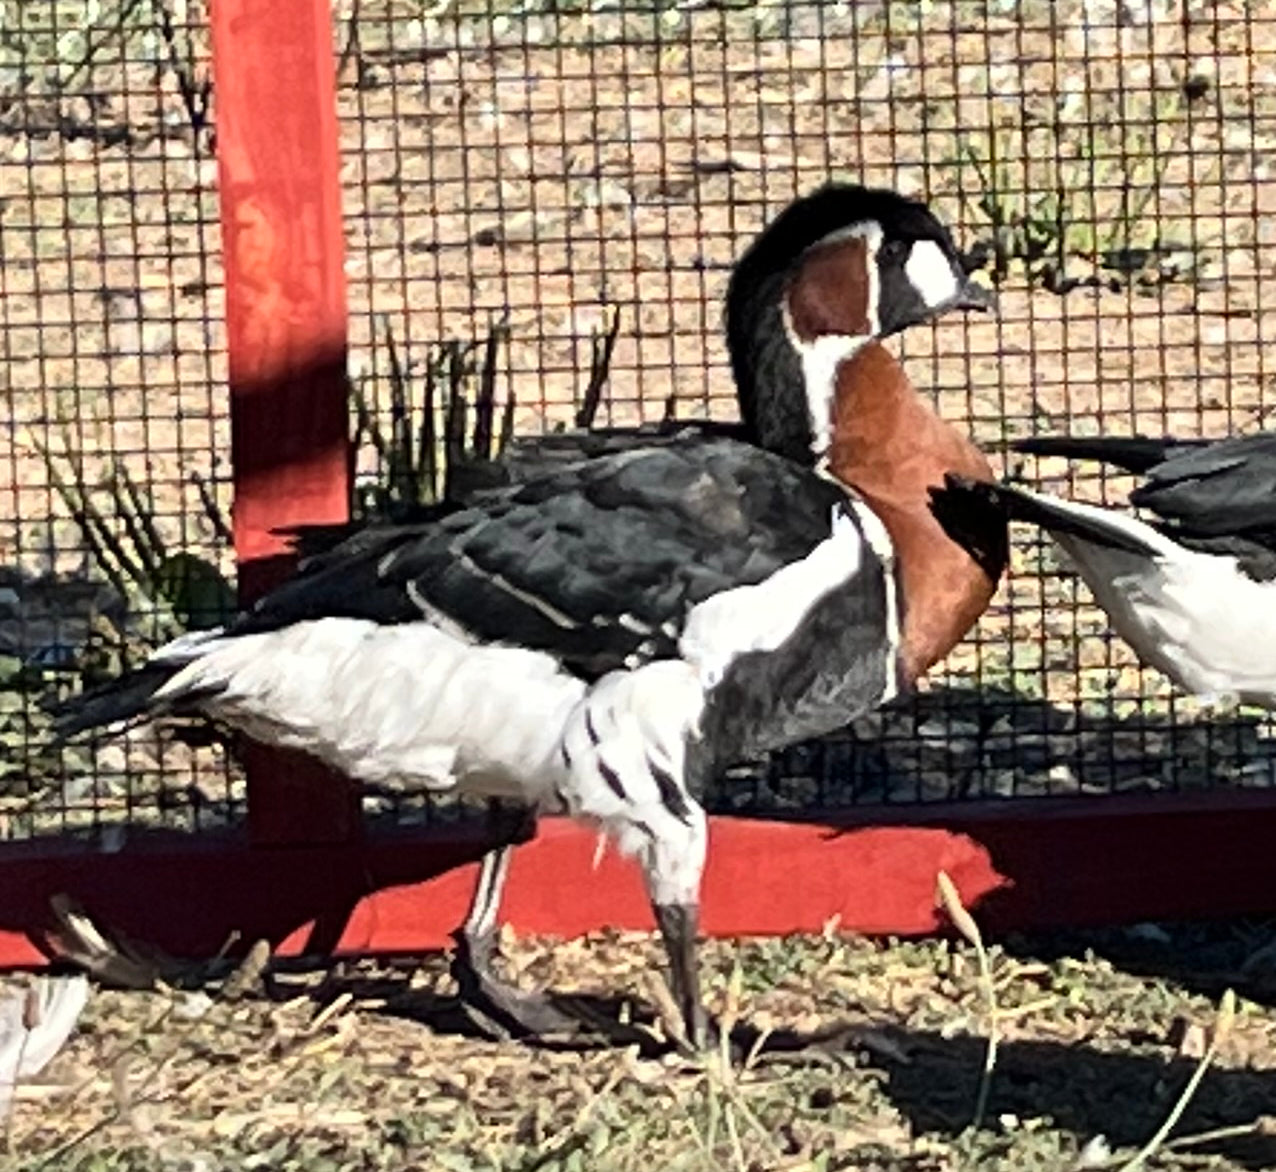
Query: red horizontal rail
{"type": "Point", "coordinates": [1023, 865]}
{"type": "Point", "coordinates": [305, 881]}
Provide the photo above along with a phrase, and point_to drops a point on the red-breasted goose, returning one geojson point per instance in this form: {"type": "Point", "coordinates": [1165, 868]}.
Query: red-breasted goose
{"type": "Point", "coordinates": [603, 638]}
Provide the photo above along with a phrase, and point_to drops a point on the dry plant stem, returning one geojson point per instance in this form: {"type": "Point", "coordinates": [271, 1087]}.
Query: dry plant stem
{"type": "Point", "coordinates": [1222, 1027]}
{"type": "Point", "coordinates": [1235, 1131]}
{"type": "Point", "coordinates": [427, 442]}
{"type": "Point", "coordinates": [150, 557]}
{"type": "Point", "coordinates": [485, 399]}
{"type": "Point", "coordinates": [574, 1139]}
{"type": "Point", "coordinates": [30, 1019]}
{"type": "Point", "coordinates": [211, 509]}
{"type": "Point", "coordinates": [184, 1027]}
{"type": "Point", "coordinates": [964, 922]}
{"type": "Point", "coordinates": [102, 545]}
{"type": "Point", "coordinates": [142, 511]}
{"type": "Point", "coordinates": [196, 92]}
{"type": "Point", "coordinates": [92, 45]}
{"type": "Point", "coordinates": [351, 46]}
{"type": "Point", "coordinates": [601, 348]}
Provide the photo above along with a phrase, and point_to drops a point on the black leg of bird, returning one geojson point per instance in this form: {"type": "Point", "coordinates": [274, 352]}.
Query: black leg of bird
{"type": "Point", "coordinates": [495, 1005]}
{"type": "Point", "coordinates": [679, 924]}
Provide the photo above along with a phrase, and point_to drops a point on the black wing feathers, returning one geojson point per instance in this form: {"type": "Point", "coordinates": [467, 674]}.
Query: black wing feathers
{"type": "Point", "coordinates": [476, 481]}
{"type": "Point", "coordinates": [595, 563]}
{"type": "Point", "coordinates": [1133, 453]}
{"type": "Point", "coordinates": [962, 498]}
{"type": "Point", "coordinates": [1227, 488]}
{"type": "Point", "coordinates": [1202, 488]}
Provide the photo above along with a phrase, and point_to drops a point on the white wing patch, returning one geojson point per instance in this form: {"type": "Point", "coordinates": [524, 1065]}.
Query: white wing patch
{"type": "Point", "coordinates": [930, 272]}
{"type": "Point", "coordinates": [761, 617]}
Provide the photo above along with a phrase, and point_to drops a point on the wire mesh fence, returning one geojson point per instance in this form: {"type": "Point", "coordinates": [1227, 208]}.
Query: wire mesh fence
{"type": "Point", "coordinates": [515, 173]}
{"type": "Point", "coordinates": [113, 469]}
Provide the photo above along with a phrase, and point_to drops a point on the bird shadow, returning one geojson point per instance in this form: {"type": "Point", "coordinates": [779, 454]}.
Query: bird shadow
{"type": "Point", "coordinates": [1122, 1095]}
{"type": "Point", "coordinates": [1203, 958]}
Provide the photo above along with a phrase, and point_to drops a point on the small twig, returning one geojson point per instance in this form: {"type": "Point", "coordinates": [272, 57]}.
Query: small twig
{"type": "Point", "coordinates": [184, 1027]}
{"type": "Point", "coordinates": [1235, 1131]}
{"type": "Point", "coordinates": [737, 1148]}
{"type": "Point", "coordinates": [601, 347]}
{"type": "Point", "coordinates": [964, 922]}
{"type": "Point", "coordinates": [1222, 1027]}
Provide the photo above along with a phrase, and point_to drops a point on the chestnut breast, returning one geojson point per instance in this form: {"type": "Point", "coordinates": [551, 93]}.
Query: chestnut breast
{"type": "Point", "coordinates": [891, 447]}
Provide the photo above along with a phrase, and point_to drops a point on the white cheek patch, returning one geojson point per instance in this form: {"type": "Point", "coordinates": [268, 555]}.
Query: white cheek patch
{"type": "Point", "coordinates": [930, 272]}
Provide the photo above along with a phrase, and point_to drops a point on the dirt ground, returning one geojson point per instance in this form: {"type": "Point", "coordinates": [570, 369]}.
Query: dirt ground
{"type": "Point", "coordinates": [853, 1055]}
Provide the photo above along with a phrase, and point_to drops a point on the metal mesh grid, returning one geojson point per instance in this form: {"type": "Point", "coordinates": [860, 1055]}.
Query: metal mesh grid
{"type": "Point", "coordinates": [1105, 157]}
{"type": "Point", "coordinates": [113, 477]}
{"type": "Point", "coordinates": [539, 164]}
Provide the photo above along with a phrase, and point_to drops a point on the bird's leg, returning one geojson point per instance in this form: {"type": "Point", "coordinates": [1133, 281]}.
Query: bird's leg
{"type": "Point", "coordinates": [485, 995]}
{"type": "Point", "coordinates": [673, 864]}
{"type": "Point", "coordinates": [678, 926]}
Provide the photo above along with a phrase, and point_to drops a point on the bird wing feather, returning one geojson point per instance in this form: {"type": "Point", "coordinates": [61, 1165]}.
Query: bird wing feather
{"type": "Point", "coordinates": [597, 563]}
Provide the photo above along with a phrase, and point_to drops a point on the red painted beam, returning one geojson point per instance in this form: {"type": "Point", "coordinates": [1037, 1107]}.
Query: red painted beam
{"type": "Point", "coordinates": [286, 321]}
{"type": "Point", "coordinates": [1027, 864]}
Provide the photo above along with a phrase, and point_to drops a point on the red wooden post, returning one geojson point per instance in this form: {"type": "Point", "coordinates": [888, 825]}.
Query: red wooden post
{"type": "Point", "coordinates": [283, 246]}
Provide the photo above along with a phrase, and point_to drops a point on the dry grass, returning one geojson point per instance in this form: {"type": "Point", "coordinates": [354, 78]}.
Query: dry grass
{"type": "Point", "coordinates": [552, 165]}
{"type": "Point", "coordinates": [340, 1070]}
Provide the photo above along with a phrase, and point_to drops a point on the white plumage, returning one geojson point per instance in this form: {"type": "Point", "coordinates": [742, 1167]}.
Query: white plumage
{"type": "Point", "coordinates": [605, 637]}
{"type": "Point", "coordinates": [408, 703]}
{"type": "Point", "coordinates": [1195, 616]}
{"type": "Point", "coordinates": [762, 616]}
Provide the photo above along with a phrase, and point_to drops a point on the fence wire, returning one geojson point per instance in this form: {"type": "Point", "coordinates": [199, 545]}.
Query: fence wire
{"type": "Point", "coordinates": [515, 173]}
{"type": "Point", "coordinates": [534, 165]}
{"type": "Point", "coordinates": [113, 471]}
